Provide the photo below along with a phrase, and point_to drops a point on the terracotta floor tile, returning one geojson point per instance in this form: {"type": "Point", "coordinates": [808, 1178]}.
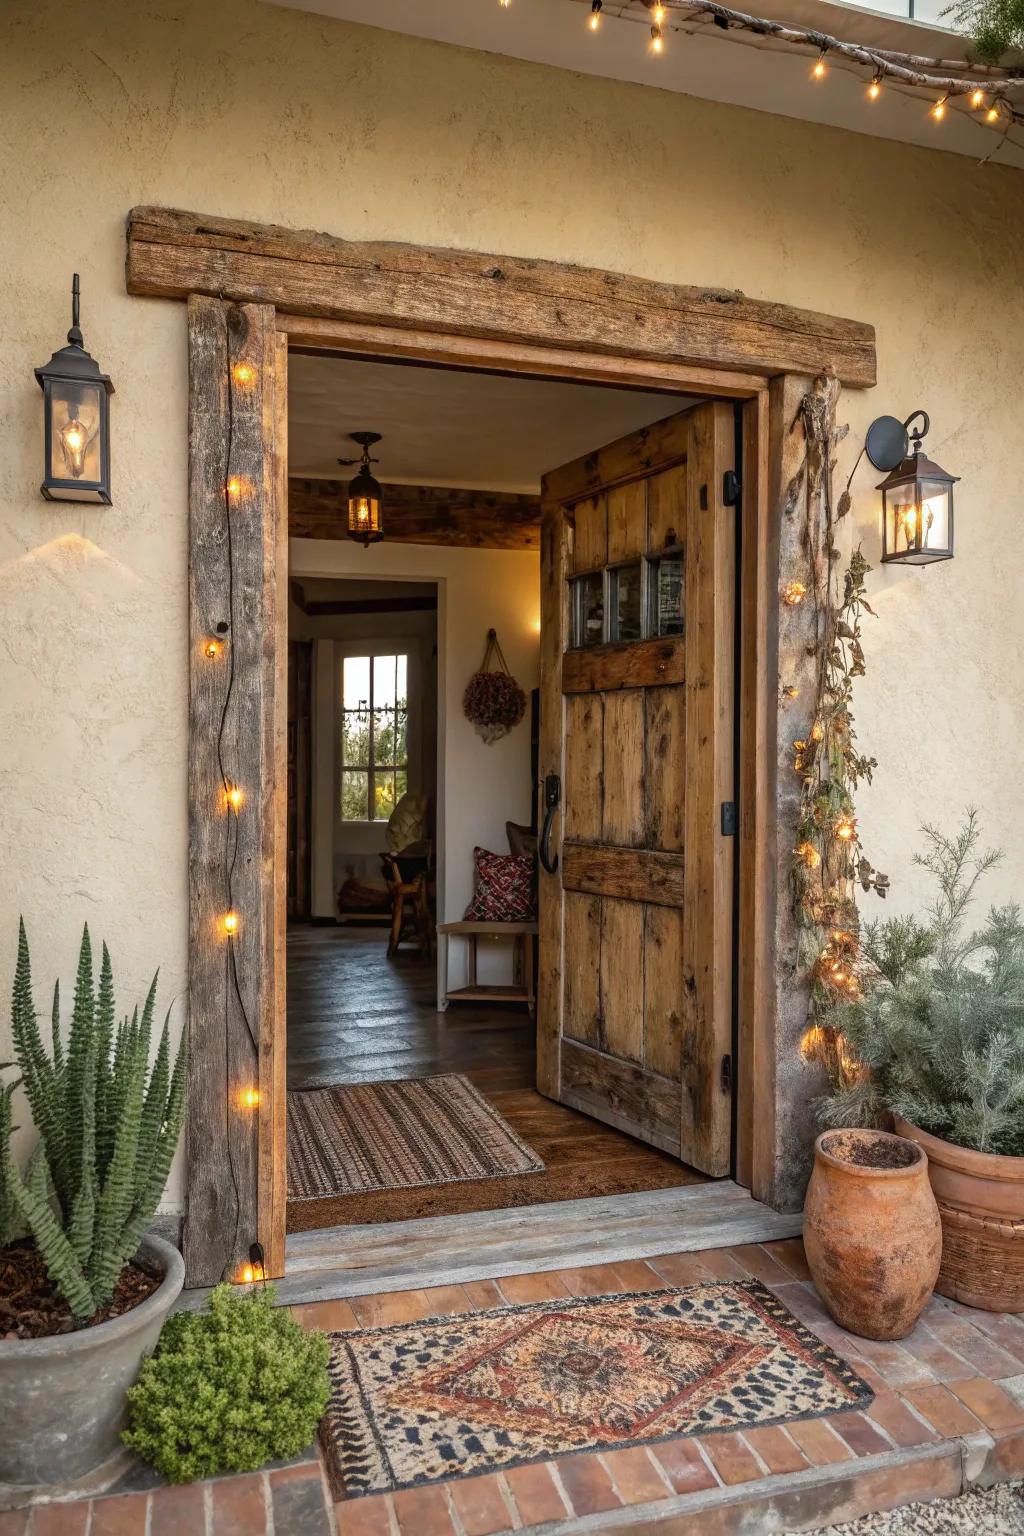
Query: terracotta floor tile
{"type": "Point", "coordinates": [638, 1275]}
{"type": "Point", "coordinates": [928, 1348]}
{"type": "Point", "coordinates": [896, 1366]}
{"type": "Point", "coordinates": [867, 1373]}
{"type": "Point", "coordinates": [122, 1515]}
{"type": "Point", "coordinates": [820, 1444]}
{"type": "Point", "coordinates": [423, 1512]}
{"type": "Point", "coordinates": [637, 1480]}
{"type": "Point", "coordinates": [686, 1468]}
{"type": "Point", "coordinates": [299, 1501]}
{"type": "Point", "coordinates": [592, 1280]}
{"type": "Point", "coordinates": [789, 1252]}
{"type": "Point", "coordinates": [587, 1483]}
{"type": "Point", "coordinates": [861, 1436]}
{"type": "Point", "coordinates": [1007, 1331]}
{"type": "Point", "coordinates": [898, 1421]}
{"type": "Point", "coordinates": [61, 1519]}
{"type": "Point", "coordinates": [480, 1504]}
{"type": "Point", "coordinates": [984, 1354]}
{"type": "Point", "coordinates": [446, 1300]}
{"type": "Point", "coordinates": [177, 1510]}
{"type": "Point", "coordinates": [239, 1507]}
{"type": "Point", "coordinates": [533, 1287]}
{"type": "Point", "coordinates": [720, 1263]}
{"type": "Point", "coordinates": [732, 1460]}
{"type": "Point", "coordinates": [483, 1294]}
{"type": "Point", "coordinates": [326, 1316]}
{"type": "Point", "coordinates": [535, 1495]}
{"type": "Point", "coordinates": [681, 1269]}
{"type": "Point", "coordinates": [995, 1408]}
{"type": "Point", "coordinates": [779, 1452]}
{"type": "Point", "coordinates": [13, 1522]}
{"type": "Point", "coordinates": [760, 1263]}
{"type": "Point", "coordinates": [946, 1412]}
{"type": "Point", "coordinates": [1007, 1456]}
{"type": "Point", "coordinates": [370, 1516]}
{"type": "Point", "coordinates": [390, 1307]}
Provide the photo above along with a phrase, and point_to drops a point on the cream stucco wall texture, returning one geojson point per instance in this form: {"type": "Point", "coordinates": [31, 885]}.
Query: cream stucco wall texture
{"type": "Point", "coordinates": [236, 108]}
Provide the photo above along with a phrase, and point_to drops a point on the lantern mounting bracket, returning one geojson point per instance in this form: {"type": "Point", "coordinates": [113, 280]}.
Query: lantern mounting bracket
{"type": "Point", "coordinates": [888, 439]}
{"type": "Point", "coordinates": [366, 441]}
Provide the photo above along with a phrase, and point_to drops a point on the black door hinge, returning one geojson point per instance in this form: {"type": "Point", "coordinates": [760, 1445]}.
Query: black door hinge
{"type": "Point", "coordinates": [732, 487]}
{"type": "Point", "coordinates": [729, 818]}
{"type": "Point", "coordinates": [727, 1074]}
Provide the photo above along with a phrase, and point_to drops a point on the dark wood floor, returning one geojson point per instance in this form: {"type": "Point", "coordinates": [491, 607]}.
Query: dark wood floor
{"type": "Point", "coordinates": [354, 1016]}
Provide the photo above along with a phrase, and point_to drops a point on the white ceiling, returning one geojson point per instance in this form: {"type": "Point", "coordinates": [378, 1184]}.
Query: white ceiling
{"type": "Point", "coordinates": [444, 427]}
{"type": "Point", "coordinates": [737, 68]}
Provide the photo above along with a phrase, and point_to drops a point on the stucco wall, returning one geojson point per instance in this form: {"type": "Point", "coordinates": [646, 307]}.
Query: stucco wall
{"type": "Point", "coordinates": [236, 108]}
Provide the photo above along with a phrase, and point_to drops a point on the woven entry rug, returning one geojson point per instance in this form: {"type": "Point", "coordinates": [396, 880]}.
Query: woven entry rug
{"type": "Point", "coordinates": [350, 1139]}
{"type": "Point", "coordinates": [445, 1397]}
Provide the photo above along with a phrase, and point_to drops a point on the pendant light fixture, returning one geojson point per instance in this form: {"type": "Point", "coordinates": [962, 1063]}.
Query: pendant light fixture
{"type": "Point", "coordinates": [76, 402]}
{"type": "Point", "coordinates": [365, 498]}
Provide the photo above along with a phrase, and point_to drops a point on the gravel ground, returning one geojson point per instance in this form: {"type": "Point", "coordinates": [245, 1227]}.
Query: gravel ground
{"type": "Point", "coordinates": [983, 1512]}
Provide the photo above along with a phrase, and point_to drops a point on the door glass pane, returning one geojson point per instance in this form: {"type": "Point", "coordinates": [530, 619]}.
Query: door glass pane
{"type": "Point", "coordinates": [354, 787]}
{"type": "Point", "coordinates": [668, 595]}
{"type": "Point", "coordinates": [588, 609]}
{"type": "Point", "coordinates": [626, 607]}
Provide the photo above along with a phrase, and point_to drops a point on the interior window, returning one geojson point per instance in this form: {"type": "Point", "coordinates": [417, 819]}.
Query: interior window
{"type": "Point", "coordinates": [374, 736]}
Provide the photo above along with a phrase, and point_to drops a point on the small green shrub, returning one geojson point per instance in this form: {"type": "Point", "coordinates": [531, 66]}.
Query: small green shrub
{"type": "Point", "coordinates": [229, 1389]}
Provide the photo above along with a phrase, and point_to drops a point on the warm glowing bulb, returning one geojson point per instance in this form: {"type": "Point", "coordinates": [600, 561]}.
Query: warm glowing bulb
{"type": "Point", "coordinates": [846, 828]}
{"type": "Point", "coordinates": [363, 510]}
{"type": "Point", "coordinates": [793, 593]}
{"type": "Point", "coordinates": [817, 731]}
{"type": "Point", "coordinates": [657, 41]}
{"type": "Point", "coordinates": [74, 441]}
{"type": "Point", "coordinates": [939, 110]}
{"type": "Point", "coordinates": [231, 922]}
{"type": "Point", "coordinates": [657, 14]}
{"type": "Point", "coordinates": [234, 797]}
{"type": "Point", "coordinates": [820, 69]}
{"type": "Point", "coordinates": [977, 99]}
{"type": "Point", "coordinates": [212, 649]}
{"type": "Point", "coordinates": [812, 1042]}
{"type": "Point", "coordinates": [243, 373]}
{"type": "Point", "coordinates": [234, 486]}
{"type": "Point", "coordinates": [251, 1098]}
{"type": "Point", "coordinates": [248, 1275]}
{"type": "Point", "coordinates": [504, 4]}
{"type": "Point", "coordinates": [874, 90]}
{"type": "Point", "coordinates": [594, 20]}
{"type": "Point", "coordinates": [992, 115]}
{"type": "Point", "coordinates": [809, 855]}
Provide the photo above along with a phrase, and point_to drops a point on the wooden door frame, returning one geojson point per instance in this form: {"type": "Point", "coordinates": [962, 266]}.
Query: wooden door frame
{"type": "Point", "coordinates": [255, 291]}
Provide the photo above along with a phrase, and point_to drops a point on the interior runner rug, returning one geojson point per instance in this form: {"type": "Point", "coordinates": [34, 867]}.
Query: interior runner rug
{"type": "Point", "coordinates": [350, 1139]}
{"type": "Point", "coordinates": [422, 1401]}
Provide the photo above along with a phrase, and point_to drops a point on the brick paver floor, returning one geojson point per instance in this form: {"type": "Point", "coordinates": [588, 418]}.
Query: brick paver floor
{"type": "Point", "coordinates": [948, 1414]}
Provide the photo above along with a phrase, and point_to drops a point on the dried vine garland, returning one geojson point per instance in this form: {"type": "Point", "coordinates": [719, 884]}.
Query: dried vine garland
{"type": "Point", "coordinates": [493, 700]}
{"type": "Point", "coordinates": [828, 859]}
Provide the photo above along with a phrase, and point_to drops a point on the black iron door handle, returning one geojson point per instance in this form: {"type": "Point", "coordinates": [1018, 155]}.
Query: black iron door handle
{"type": "Point", "coordinates": [552, 795]}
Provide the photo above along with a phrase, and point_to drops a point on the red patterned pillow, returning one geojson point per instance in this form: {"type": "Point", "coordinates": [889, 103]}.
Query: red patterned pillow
{"type": "Point", "coordinates": [503, 888]}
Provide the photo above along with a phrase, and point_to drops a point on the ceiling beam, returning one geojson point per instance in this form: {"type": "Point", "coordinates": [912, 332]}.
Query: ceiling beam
{"type": "Point", "coordinates": [420, 514]}
{"type": "Point", "coordinates": [172, 253]}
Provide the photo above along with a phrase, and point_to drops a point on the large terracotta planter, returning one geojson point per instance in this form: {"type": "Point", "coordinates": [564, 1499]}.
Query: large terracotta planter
{"type": "Point", "coordinates": [981, 1203]}
{"type": "Point", "coordinates": [871, 1231]}
{"type": "Point", "coordinates": [63, 1399]}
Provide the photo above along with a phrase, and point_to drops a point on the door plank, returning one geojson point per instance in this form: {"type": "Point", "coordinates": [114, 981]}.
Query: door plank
{"type": "Point", "coordinates": [622, 960]}
{"type": "Point", "coordinates": [645, 664]}
{"type": "Point", "coordinates": [621, 1094]}
{"type": "Point", "coordinates": [590, 540]}
{"type": "Point", "coordinates": [584, 778]}
{"type": "Point", "coordinates": [627, 521]}
{"type": "Point", "coordinates": [666, 507]}
{"type": "Point", "coordinates": [554, 606]}
{"type": "Point", "coordinates": [663, 990]}
{"type": "Point", "coordinates": [622, 822]}
{"type": "Point", "coordinates": [665, 768]}
{"type": "Point", "coordinates": [631, 874]}
{"type": "Point", "coordinates": [707, 932]}
{"type": "Point", "coordinates": [582, 1006]}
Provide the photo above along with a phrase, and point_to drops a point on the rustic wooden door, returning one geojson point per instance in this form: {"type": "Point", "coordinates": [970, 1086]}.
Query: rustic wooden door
{"type": "Point", "coordinates": [637, 697]}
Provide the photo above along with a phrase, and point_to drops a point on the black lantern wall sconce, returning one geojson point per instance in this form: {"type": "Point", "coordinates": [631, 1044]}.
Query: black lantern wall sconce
{"type": "Point", "coordinates": [365, 497]}
{"type": "Point", "coordinates": [917, 493]}
{"type": "Point", "coordinates": [76, 405]}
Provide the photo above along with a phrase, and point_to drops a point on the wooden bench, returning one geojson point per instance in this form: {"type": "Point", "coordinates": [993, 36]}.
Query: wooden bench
{"type": "Point", "coordinates": [521, 991]}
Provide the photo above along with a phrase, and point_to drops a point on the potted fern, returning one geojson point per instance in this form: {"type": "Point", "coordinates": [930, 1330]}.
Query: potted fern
{"type": "Point", "coordinates": [936, 1040]}
{"type": "Point", "coordinates": [83, 1290]}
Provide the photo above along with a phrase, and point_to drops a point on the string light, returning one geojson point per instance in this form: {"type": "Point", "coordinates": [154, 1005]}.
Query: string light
{"type": "Point", "coordinates": [230, 923]}
{"type": "Point", "coordinates": [657, 40]}
{"type": "Point", "coordinates": [793, 593]}
{"type": "Point", "coordinates": [993, 114]}
{"type": "Point", "coordinates": [658, 15]}
{"type": "Point", "coordinates": [846, 828]}
{"type": "Point", "coordinates": [594, 22]}
{"type": "Point", "coordinates": [939, 109]}
{"type": "Point", "coordinates": [977, 99]}
{"type": "Point", "coordinates": [233, 796]}
{"type": "Point", "coordinates": [251, 1098]}
{"type": "Point", "coordinates": [817, 731]}
{"type": "Point", "coordinates": [504, 4]}
{"type": "Point", "coordinates": [875, 88]}
{"type": "Point", "coordinates": [244, 374]}
{"type": "Point", "coordinates": [211, 649]}
{"type": "Point", "coordinates": [820, 69]}
{"type": "Point", "coordinates": [234, 487]}
{"type": "Point", "coordinates": [808, 855]}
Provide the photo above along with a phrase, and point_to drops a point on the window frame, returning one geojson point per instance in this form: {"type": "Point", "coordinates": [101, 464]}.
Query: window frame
{"type": "Point", "coordinates": [372, 653]}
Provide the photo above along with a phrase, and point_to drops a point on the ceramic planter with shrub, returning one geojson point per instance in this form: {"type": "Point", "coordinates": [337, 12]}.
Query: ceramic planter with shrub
{"type": "Point", "coordinates": [87, 1291]}
{"type": "Point", "coordinates": [936, 1041]}
{"type": "Point", "coordinates": [871, 1231]}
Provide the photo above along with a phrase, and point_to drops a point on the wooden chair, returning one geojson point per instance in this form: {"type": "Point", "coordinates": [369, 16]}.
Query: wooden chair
{"type": "Point", "coordinates": [408, 889]}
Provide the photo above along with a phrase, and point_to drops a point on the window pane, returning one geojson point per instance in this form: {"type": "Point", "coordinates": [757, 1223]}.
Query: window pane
{"type": "Point", "coordinates": [669, 595]}
{"type": "Point", "coordinates": [383, 795]}
{"type": "Point", "coordinates": [390, 710]}
{"type": "Point", "coordinates": [401, 784]}
{"type": "Point", "coordinates": [626, 609]}
{"type": "Point", "coordinates": [354, 787]}
{"type": "Point", "coordinates": [588, 610]}
{"type": "Point", "coordinates": [355, 718]}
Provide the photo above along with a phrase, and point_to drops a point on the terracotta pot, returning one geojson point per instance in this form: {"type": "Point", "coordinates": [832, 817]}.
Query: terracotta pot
{"type": "Point", "coordinates": [872, 1231]}
{"type": "Point", "coordinates": [981, 1202]}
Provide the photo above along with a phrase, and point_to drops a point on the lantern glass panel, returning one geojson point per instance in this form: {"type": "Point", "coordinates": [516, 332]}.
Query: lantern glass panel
{"type": "Point", "coordinates": [918, 523]}
{"type": "Point", "coordinates": [364, 516]}
{"type": "Point", "coordinates": [75, 437]}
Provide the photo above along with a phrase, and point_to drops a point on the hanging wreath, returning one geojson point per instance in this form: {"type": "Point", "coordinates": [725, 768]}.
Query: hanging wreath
{"type": "Point", "coordinates": [493, 700]}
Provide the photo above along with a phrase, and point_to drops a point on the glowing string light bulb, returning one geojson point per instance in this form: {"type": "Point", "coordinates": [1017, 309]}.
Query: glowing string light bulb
{"type": "Point", "coordinates": [594, 20]}
{"type": "Point", "coordinates": [657, 40]}
{"type": "Point", "coordinates": [820, 69]}
{"type": "Point", "coordinates": [250, 1098]}
{"type": "Point", "coordinates": [793, 593]}
{"type": "Point", "coordinates": [234, 797]}
{"type": "Point", "coordinates": [243, 373]}
{"type": "Point", "coordinates": [938, 111]}
{"type": "Point", "coordinates": [993, 114]}
{"type": "Point", "coordinates": [234, 487]}
{"type": "Point", "coordinates": [230, 923]}
{"type": "Point", "coordinates": [846, 829]}
{"type": "Point", "coordinates": [875, 88]}
{"type": "Point", "coordinates": [658, 15]}
{"type": "Point", "coordinates": [211, 649]}
{"type": "Point", "coordinates": [977, 99]}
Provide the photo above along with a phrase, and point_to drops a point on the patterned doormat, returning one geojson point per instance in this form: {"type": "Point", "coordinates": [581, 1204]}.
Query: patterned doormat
{"type": "Point", "coordinates": [420, 1402]}
{"type": "Point", "coordinates": [434, 1130]}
